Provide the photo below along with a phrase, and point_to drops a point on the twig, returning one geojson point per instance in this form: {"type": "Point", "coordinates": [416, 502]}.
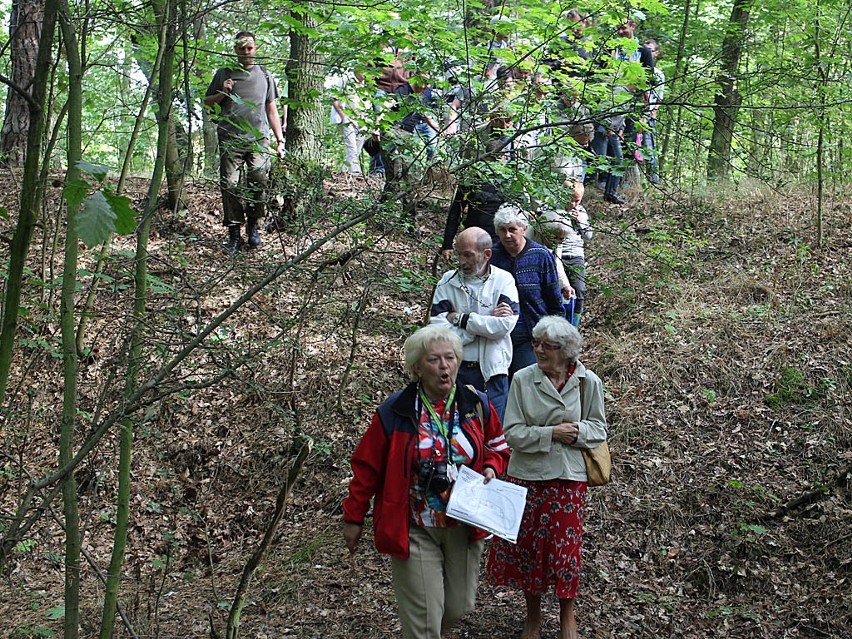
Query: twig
{"type": "Point", "coordinates": [232, 630]}
{"type": "Point", "coordinates": [810, 497]}
{"type": "Point", "coordinates": [362, 304]}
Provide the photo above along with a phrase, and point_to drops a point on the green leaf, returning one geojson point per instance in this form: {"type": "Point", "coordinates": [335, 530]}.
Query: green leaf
{"type": "Point", "coordinates": [4, 212]}
{"type": "Point", "coordinates": [96, 221]}
{"type": "Point", "coordinates": [99, 171]}
{"type": "Point", "coordinates": [75, 191]}
{"type": "Point", "coordinates": [125, 216]}
{"type": "Point", "coordinates": [57, 612]}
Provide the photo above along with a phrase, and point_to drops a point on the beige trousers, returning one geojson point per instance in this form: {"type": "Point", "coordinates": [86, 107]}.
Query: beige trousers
{"type": "Point", "coordinates": [437, 584]}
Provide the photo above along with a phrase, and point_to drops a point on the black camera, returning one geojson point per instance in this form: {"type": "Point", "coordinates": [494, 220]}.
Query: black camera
{"type": "Point", "coordinates": [432, 475]}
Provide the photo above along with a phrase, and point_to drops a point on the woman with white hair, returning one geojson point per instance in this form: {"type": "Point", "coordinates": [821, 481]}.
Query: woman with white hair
{"type": "Point", "coordinates": [408, 460]}
{"type": "Point", "coordinates": [555, 410]}
{"type": "Point", "coordinates": [534, 269]}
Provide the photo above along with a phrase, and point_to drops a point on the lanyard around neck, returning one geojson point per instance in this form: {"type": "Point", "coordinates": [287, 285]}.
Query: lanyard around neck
{"type": "Point", "coordinates": [444, 426]}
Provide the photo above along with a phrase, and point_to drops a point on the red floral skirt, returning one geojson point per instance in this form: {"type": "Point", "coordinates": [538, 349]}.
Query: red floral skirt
{"type": "Point", "coordinates": [549, 542]}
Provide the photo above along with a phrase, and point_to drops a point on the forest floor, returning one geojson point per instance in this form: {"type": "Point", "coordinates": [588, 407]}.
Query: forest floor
{"type": "Point", "coordinates": [721, 331]}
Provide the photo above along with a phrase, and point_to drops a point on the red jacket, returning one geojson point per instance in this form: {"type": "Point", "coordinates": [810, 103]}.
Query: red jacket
{"type": "Point", "coordinates": [384, 461]}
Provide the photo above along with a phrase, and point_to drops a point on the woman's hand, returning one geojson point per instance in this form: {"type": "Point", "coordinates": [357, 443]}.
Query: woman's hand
{"type": "Point", "coordinates": [566, 432]}
{"type": "Point", "coordinates": [489, 474]}
{"type": "Point", "coordinates": [352, 535]}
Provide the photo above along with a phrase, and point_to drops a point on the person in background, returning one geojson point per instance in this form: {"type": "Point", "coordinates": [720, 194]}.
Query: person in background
{"type": "Point", "coordinates": [655, 99]}
{"type": "Point", "coordinates": [408, 460]}
{"type": "Point", "coordinates": [477, 198]}
{"type": "Point", "coordinates": [607, 142]}
{"type": "Point", "coordinates": [344, 105]}
{"type": "Point", "coordinates": [645, 57]}
{"type": "Point", "coordinates": [480, 303]}
{"type": "Point", "coordinates": [244, 100]}
{"type": "Point", "coordinates": [534, 269]}
{"type": "Point", "coordinates": [555, 410]}
{"type": "Point", "coordinates": [566, 232]}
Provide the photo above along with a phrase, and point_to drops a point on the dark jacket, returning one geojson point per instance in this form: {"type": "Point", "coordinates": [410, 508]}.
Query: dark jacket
{"type": "Point", "coordinates": [473, 205]}
{"type": "Point", "coordinates": [384, 461]}
{"type": "Point", "coordinates": [537, 279]}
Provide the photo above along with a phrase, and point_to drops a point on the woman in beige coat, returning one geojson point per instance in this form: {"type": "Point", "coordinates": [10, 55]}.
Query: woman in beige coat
{"type": "Point", "coordinates": [546, 428]}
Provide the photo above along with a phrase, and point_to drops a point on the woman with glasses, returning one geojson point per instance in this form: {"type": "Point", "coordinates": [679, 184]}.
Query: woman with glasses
{"type": "Point", "coordinates": [555, 409]}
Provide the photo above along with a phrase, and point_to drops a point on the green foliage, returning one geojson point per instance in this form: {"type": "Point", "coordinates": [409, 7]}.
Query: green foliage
{"type": "Point", "coordinates": [307, 552]}
{"type": "Point", "coordinates": [410, 281]}
{"type": "Point", "coordinates": [25, 546]}
{"type": "Point", "coordinates": [54, 613]}
{"type": "Point", "coordinates": [749, 531]}
{"type": "Point", "coordinates": [792, 387]}
{"type": "Point", "coordinates": [103, 212]}
{"type": "Point", "coordinates": [32, 632]}
{"type": "Point", "coordinates": [96, 221]}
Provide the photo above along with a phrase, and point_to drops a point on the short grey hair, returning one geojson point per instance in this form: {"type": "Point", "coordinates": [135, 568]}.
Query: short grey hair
{"type": "Point", "coordinates": [557, 329]}
{"type": "Point", "coordinates": [509, 214]}
{"type": "Point", "coordinates": [417, 343]}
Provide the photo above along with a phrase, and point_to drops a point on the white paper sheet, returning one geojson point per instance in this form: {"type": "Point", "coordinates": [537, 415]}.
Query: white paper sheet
{"type": "Point", "coordinates": [497, 506]}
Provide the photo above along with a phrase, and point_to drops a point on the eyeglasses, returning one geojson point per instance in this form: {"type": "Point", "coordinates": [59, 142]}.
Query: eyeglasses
{"type": "Point", "coordinates": [545, 345]}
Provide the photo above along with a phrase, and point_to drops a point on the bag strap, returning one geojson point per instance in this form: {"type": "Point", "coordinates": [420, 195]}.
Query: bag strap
{"type": "Point", "coordinates": [479, 405]}
{"type": "Point", "coordinates": [582, 397]}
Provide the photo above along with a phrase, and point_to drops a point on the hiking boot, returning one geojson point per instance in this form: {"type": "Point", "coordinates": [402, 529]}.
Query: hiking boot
{"type": "Point", "coordinates": [614, 198]}
{"type": "Point", "coordinates": [235, 239]}
{"type": "Point", "coordinates": [253, 235]}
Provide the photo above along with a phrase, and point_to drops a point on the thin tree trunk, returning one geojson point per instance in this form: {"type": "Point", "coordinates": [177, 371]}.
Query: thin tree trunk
{"type": "Point", "coordinates": [25, 22]}
{"type": "Point", "coordinates": [211, 145]}
{"type": "Point", "coordinates": [164, 66]}
{"type": "Point", "coordinates": [32, 191]}
{"type": "Point", "coordinates": [73, 537]}
{"type": "Point", "coordinates": [673, 87]}
{"type": "Point", "coordinates": [821, 88]}
{"type": "Point", "coordinates": [728, 99]}
{"type": "Point", "coordinates": [175, 172]}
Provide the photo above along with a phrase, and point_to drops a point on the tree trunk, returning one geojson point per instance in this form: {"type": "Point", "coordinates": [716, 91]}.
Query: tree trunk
{"type": "Point", "coordinates": [674, 87]}
{"type": "Point", "coordinates": [73, 536]}
{"type": "Point", "coordinates": [174, 163]}
{"type": "Point", "coordinates": [305, 77]}
{"type": "Point", "coordinates": [32, 191]}
{"type": "Point", "coordinates": [211, 145]}
{"type": "Point", "coordinates": [821, 89]}
{"type": "Point", "coordinates": [24, 29]}
{"type": "Point", "coordinates": [728, 99]}
{"type": "Point", "coordinates": [175, 167]}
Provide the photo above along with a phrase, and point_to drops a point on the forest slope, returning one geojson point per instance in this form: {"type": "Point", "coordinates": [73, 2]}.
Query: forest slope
{"type": "Point", "coordinates": [722, 334]}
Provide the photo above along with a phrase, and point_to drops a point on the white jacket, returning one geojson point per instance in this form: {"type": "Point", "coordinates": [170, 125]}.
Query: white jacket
{"type": "Point", "coordinates": [490, 334]}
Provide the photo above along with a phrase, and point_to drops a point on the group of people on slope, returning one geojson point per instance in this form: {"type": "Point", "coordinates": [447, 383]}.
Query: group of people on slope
{"type": "Point", "coordinates": [243, 98]}
{"type": "Point", "coordinates": [481, 103]}
{"type": "Point", "coordinates": [496, 385]}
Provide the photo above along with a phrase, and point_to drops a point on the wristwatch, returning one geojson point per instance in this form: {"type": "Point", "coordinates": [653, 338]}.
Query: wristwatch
{"type": "Point", "coordinates": [456, 319]}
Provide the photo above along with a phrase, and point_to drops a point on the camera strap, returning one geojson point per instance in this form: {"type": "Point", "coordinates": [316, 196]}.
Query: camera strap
{"type": "Point", "coordinates": [446, 427]}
